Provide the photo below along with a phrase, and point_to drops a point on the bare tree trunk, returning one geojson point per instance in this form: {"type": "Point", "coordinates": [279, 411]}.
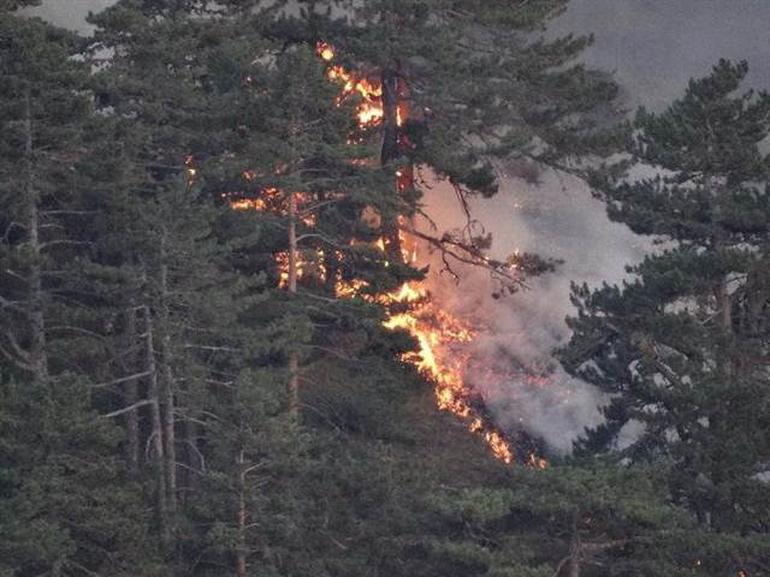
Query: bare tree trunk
{"type": "Point", "coordinates": [157, 429]}
{"type": "Point", "coordinates": [169, 438]}
{"type": "Point", "coordinates": [292, 388]}
{"type": "Point", "coordinates": [167, 391]}
{"type": "Point", "coordinates": [573, 569]}
{"type": "Point", "coordinates": [38, 358]}
{"type": "Point", "coordinates": [131, 396]}
{"type": "Point", "coordinates": [240, 569]}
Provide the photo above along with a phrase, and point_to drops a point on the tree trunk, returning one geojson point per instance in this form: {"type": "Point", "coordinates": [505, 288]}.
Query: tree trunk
{"type": "Point", "coordinates": [390, 149]}
{"type": "Point", "coordinates": [724, 306]}
{"type": "Point", "coordinates": [131, 396]}
{"type": "Point", "coordinates": [157, 429]}
{"type": "Point", "coordinates": [721, 293]}
{"type": "Point", "coordinates": [390, 152]}
{"type": "Point", "coordinates": [192, 458]}
{"type": "Point", "coordinates": [38, 358]}
{"type": "Point", "coordinates": [573, 569]}
{"type": "Point", "coordinates": [292, 388]}
{"type": "Point", "coordinates": [575, 550]}
{"type": "Point", "coordinates": [168, 390]}
{"type": "Point", "coordinates": [240, 569]}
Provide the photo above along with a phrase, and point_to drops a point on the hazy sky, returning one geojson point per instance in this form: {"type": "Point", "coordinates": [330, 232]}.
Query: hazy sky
{"type": "Point", "coordinates": [654, 46]}
{"type": "Point", "coordinates": [70, 13]}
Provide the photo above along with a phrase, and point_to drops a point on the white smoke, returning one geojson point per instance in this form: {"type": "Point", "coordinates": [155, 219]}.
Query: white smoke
{"type": "Point", "coordinates": [514, 370]}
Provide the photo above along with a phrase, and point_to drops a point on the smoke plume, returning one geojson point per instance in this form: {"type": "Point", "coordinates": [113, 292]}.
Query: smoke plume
{"type": "Point", "coordinates": [513, 368]}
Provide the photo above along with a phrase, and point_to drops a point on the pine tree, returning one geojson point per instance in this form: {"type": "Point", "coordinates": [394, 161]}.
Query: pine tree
{"type": "Point", "coordinates": [683, 347]}
{"type": "Point", "coordinates": [66, 505]}
{"type": "Point", "coordinates": [43, 113]}
{"type": "Point", "coordinates": [571, 519]}
{"type": "Point", "coordinates": [197, 276]}
{"type": "Point", "coordinates": [459, 85]}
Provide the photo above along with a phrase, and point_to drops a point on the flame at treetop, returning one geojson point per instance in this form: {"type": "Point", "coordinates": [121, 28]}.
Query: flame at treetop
{"type": "Point", "coordinates": [370, 111]}
{"type": "Point", "coordinates": [440, 336]}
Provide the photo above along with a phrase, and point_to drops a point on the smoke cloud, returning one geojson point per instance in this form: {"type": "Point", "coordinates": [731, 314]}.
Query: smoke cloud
{"type": "Point", "coordinates": [512, 365]}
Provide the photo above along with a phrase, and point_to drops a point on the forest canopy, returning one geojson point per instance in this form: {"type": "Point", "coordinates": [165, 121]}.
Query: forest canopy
{"type": "Point", "coordinates": [220, 351]}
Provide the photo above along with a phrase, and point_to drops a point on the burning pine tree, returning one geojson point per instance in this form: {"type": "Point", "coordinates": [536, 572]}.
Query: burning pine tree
{"type": "Point", "coordinates": [411, 309]}
{"type": "Point", "coordinates": [389, 66]}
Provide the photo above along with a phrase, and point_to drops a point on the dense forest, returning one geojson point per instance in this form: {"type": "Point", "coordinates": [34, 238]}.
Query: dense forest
{"type": "Point", "coordinates": [219, 354]}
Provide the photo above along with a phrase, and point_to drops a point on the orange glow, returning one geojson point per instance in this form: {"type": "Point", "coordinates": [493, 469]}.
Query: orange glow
{"type": "Point", "coordinates": [370, 112]}
{"type": "Point", "coordinates": [437, 334]}
{"type": "Point", "coordinates": [325, 51]}
{"type": "Point", "coordinates": [192, 172]}
{"type": "Point", "coordinates": [536, 462]}
{"type": "Point", "coordinates": [436, 331]}
{"type": "Point", "coordinates": [440, 354]}
{"type": "Point", "coordinates": [275, 201]}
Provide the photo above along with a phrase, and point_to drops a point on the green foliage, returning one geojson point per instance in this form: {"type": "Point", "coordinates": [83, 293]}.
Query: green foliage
{"type": "Point", "coordinates": [682, 347]}
{"type": "Point", "coordinates": [66, 502]}
{"type": "Point", "coordinates": [151, 435]}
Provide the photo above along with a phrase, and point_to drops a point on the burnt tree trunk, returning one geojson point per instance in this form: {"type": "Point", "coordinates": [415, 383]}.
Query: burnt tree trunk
{"type": "Point", "coordinates": [390, 152]}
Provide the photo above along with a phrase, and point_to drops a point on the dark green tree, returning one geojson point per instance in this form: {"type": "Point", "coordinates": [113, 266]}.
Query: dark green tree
{"type": "Point", "coordinates": [44, 111]}
{"type": "Point", "coordinates": [66, 505]}
{"type": "Point", "coordinates": [571, 519]}
{"type": "Point", "coordinates": [682, 348]}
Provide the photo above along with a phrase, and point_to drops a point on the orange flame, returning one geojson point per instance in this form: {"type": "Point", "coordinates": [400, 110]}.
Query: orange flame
{"type": "Point", "coordinates": [438, 334]}
{"type": "Point", "coordinates": [435, 330]}
{"type": "Point", "coordinates": [370, 111]}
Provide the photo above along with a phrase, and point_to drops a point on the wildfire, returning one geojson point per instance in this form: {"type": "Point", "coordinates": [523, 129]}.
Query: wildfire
{"type": "Point", "coordinates": [276, 201]}
{"type": "Point", "coordinates": [370, 111]}
{"type": "Point", "coordinates": [441, 356]}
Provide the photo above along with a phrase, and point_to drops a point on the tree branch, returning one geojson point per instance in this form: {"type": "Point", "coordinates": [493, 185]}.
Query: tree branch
{"type": "Point", "coordinates": [127, 409]}
{"type": "Point", "coordinates": [123, 379]}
